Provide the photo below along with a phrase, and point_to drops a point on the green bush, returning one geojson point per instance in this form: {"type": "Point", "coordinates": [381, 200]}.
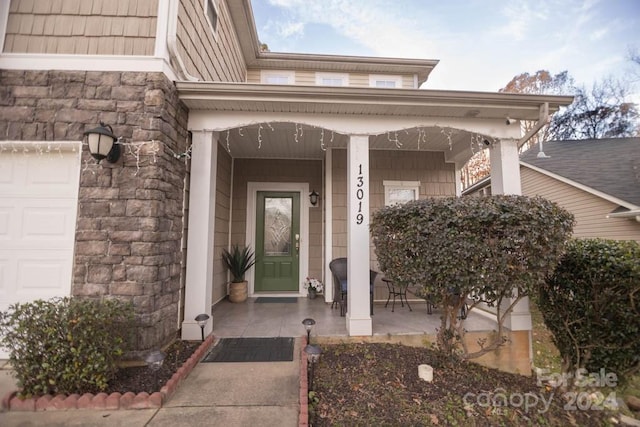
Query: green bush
{"type": "Point", "coordinates": [65, 345]}
{"type": "Point", "coordinates": [493, 248]}
{"type": "Point", "coordinates": [591, 305]}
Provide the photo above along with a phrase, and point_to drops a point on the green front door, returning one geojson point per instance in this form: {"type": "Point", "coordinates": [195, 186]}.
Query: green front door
{"type": "Point", "coordinates": [277, 241]}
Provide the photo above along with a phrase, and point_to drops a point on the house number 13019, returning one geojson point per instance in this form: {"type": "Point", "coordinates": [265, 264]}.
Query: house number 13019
{"type": "Point", "coordinates": [359, 195]}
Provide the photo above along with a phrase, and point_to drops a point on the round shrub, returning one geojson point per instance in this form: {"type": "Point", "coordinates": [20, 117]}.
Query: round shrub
{"type": "Point", "coordinates": [492, 247]}
{"type": "Point", "coordinates": [65, 345]}
{"type": "Point", "coordinates": [591, 305]}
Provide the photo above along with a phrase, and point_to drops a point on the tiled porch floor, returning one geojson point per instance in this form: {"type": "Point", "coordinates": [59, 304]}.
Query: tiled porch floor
{"type": "Point", "coordinates": [250, 319]}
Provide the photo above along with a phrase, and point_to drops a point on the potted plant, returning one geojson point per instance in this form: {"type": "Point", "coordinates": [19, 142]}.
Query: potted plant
{"type": "Point", "coordinates": [313, 287]}
{"type": "Point", "coordinates": [238, 261]}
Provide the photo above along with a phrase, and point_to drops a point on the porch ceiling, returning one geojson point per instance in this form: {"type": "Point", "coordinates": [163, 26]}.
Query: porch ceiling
{"type": "Point", "coordinates": [290, 140]}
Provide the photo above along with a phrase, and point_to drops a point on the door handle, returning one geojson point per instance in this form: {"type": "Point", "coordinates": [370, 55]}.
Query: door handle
{"type": "Point", "coordinates": [297, 243]}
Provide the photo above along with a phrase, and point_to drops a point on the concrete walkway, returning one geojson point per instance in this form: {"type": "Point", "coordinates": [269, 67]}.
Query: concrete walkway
{"type": "Point", "coordinates": [224, 394]}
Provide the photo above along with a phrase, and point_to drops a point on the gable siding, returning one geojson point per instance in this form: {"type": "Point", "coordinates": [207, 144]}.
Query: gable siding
{"type": "Point", "coordinates": [590, 211]}
{"type": "Point", "coordinates": [81, 27]}
{"type": "Point", "coordinates": [308, 78]}
{"type": "Point", "coordinates": [209, 57]}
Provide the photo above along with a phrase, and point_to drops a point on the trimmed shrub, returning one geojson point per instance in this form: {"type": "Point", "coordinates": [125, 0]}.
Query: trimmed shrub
{"type": "Point", "coordinates": [591, 305]}
{"type": "Point", "coordinates": [493, 248]}
{"type": "Point", "coordinates": [65, 345]}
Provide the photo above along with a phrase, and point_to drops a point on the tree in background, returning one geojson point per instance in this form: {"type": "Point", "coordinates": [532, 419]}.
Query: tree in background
{"type": "Point", "coordinates": [601, 112]}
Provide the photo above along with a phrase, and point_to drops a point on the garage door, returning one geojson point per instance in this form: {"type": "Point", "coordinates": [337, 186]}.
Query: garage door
{"type": "Point", "coordinates": [38, 208]}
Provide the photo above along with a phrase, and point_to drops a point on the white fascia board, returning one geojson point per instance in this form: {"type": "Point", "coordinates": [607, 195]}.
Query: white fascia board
{"type": "Point", "coordinates": [23, 61]}
{"type": "Point", "coordinates": [582, 187]}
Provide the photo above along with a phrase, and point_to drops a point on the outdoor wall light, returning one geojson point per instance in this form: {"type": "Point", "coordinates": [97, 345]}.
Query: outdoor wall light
{"type": "Point", "coordinates": [510, 121]}
{"type": "Point", "coordinates": [308, 325]}
{"type": "Point", "coordinates": [313, 197]}
{"type": "Point", "coordinates": [154, 363]}
{"type": "Point", "coordinates": [202, 322]}
{"type": "Point", "coordinates": [103, 143]}
{"type": "Point", "coordinates": [313, 353]}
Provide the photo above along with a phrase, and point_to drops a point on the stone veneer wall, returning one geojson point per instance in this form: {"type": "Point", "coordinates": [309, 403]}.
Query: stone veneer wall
{"type": "Point", "coordinates": [130, 217]}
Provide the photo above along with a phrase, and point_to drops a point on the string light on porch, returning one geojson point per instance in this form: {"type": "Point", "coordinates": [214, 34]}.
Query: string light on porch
{"type": "Point", "coordinates": [394, 139]}
{"type": "Point", "coordinates": [26, 148]}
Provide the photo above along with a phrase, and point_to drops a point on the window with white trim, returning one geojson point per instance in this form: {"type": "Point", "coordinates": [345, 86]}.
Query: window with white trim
{"type": "Point", "coordinates": [211, 12]}
{"type": "Point", "coordinates": [381, 81]}
{"type": "Point", "coordinates": [400, 192]}
{"type": "Point", "coordinates": [273, 77]}
{"type": "Point", "coordinates": [332, 79]}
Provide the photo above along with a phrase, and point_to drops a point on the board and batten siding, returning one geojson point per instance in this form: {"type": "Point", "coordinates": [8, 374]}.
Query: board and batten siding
{"type": "Point", "coordinates": [590, 210]}
{"type": "Point", "coordinates": [82, 27]}
{"type": "Point", "coordinates": [221, 230]}
{"type": "Point", "coordinates": [436, 177]}
{"type": "Point", "coordinates": [207, 56]}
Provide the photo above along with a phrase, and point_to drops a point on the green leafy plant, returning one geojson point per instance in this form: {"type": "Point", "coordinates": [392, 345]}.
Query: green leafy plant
{"type": "Point", "coordinates": [238, 261]}
{"type": "Point", "coordinates": [65, 345]}
{"type": "Point", "coordinates": [591, 305]}
{"type": "Point", "coordinates": [495, 249]}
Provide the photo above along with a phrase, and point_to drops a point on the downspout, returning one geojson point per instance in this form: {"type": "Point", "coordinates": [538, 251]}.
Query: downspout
{"type": "Point", "coordinates": [543, 119]}
{"type": "Point", "coordinates": [172, 41]}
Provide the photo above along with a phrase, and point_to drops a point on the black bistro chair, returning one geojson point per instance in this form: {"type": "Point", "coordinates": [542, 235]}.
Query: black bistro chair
{"type": "Point", "coordinates": [338, 268]}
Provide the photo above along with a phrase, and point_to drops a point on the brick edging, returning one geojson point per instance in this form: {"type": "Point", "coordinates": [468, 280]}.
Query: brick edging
{"type": "Point", "coordinates": [303, 419]}
{"type": "Point", "coordinates": [113, 401]}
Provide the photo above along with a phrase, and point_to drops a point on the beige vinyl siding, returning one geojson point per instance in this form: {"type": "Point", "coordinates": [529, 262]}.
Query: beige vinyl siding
{"type": "Point", "coordinates": [308, 78]}
{"type": "Point", "coordinates": [223, 216]}
{"type": "Point", "coordinates": [276, 170]}
{"type": "Point", "coordinates": [305, 78]}
{"type": "Point", "coordinates": [437, 179]}
{"type": "Point", "coordinates": [209, 57]}
{"type": "Point", "coordinates": [408, 82]}
{"type": "Point", "coordinates": [253, 76]}
{"type": "Point", "coordinates": [81, 27]}
{"type": "Point", "coordinates": [590, 210]}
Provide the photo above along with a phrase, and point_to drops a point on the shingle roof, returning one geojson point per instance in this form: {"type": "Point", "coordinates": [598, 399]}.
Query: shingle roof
{"type": "Point", "coordinates": [611, 166]}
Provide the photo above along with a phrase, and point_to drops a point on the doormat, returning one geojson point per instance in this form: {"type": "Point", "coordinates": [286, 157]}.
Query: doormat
{"type": "Point", "coordinates": [288, 300]}
{"type": "Point", "coordinates": [251, 350]}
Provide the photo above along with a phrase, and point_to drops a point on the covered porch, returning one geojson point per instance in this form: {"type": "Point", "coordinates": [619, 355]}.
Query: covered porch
{"type": "Point", "coordinates": [355, 139]}
{"type": "Point", "coordinates": [415, 328]}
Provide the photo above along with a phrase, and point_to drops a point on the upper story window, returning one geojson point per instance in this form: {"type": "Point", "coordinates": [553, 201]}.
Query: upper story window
{"type": "Point", "coordinates": [385, 81]}
{"type": "Point", "coordinates": [332, 79]}
{"type": "Point", "coordinates": [400, 192]}
{"type": "Point", "coordinates": [273, 77]}
{"type": "Point", "coordinates": [211, 14]}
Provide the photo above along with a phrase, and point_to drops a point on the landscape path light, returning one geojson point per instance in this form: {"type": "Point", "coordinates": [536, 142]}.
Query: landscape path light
{"type": "Point", "coordinates": [308, 325]}
{"type": "Point", "coordinates": [154, 360]}
{"type": "Point", "coordinates": [202, 322]}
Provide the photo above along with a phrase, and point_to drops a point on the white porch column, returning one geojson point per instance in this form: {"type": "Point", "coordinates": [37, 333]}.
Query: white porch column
{"type": "Point", "coordinates": [505, 179]}
{"type": "Point", "coordinates": [505, 167]}
{"type": "Point", "coordinates": [358, 314]}
{"type": "Point", "coordinates": [199, 280]}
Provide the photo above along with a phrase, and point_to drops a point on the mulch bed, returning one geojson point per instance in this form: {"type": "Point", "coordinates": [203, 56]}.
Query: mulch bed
{"type": "Point", "coordinates": [141, 379]}
{"type": "Point", "coordinates": [378, 384]}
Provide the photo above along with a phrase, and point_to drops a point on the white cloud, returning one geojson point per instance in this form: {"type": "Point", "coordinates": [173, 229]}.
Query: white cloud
{"type": "Point", "coordinates": [288, 29]}
{"type": "Point", "coordinates": [599, 34]}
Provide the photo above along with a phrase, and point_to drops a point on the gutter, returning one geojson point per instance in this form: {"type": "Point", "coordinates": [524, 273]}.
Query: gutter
{"type": "Point", "coordinates": [543, 119]}
{"type": "Point", "coordinates": [172, 41]}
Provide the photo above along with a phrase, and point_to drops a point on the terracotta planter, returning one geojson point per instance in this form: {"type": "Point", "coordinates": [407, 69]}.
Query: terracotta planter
{"type": "Point", "coordinates": [238, 292]}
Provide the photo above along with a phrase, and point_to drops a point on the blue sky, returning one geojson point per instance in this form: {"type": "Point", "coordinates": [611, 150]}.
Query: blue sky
{"type": "Point", "coordinates": [481, 44]}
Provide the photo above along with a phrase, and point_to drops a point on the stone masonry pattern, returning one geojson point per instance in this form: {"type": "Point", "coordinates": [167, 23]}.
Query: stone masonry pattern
{"type": "Point", "coordinates": [130, 214]}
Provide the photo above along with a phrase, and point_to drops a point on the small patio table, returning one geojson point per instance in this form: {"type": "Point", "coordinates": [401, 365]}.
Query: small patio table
{"type": "Point", "coordinates": [396, 290]}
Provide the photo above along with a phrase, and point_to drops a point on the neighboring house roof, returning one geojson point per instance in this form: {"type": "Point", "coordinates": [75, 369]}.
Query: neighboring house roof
{"type": "Point", "coordinates": [608, 166]}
